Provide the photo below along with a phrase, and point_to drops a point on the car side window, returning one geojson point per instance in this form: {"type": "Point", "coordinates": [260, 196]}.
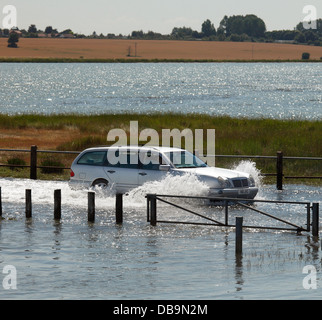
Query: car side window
{"type": "Point", "coordinates": [122, 159]}
{"type": "Point", "coordinates": [129, 159]}
{"type": "Point", "coordinates": [94, 158]}
{"type": "Point", "coordinates": [150, 160]}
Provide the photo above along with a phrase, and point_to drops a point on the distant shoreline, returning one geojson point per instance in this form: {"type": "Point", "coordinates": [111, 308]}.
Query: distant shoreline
{"type": "Point", "coordinates": [71, 60]}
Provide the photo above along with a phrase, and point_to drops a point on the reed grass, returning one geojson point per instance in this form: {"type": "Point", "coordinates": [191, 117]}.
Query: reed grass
{"type": "Point", "coordinates": [296, 138]}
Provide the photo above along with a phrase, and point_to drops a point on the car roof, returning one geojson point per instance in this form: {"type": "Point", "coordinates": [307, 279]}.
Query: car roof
{"type": "Point", "coordinates": [146, 148]}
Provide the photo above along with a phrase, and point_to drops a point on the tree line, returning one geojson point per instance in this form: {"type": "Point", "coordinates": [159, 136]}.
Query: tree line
{"type": "Point", "coordinates": [231, 28]}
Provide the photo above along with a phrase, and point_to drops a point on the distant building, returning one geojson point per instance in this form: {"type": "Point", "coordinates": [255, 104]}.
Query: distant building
{"type": "Point", "coordinates": [66, 36]}
{"type": "Point", "coordinates": [285, 41]}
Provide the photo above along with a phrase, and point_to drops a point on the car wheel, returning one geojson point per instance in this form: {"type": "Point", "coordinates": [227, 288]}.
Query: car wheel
{"type": "Point", "coordinates": [100, 183]}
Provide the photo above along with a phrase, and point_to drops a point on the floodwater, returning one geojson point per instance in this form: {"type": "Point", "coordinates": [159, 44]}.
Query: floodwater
{"type": "Point", "coordinates": [74, 259]}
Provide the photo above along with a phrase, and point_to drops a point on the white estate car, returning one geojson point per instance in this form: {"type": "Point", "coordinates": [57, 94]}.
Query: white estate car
{"type": "Point", "coordinates": [127, 167]}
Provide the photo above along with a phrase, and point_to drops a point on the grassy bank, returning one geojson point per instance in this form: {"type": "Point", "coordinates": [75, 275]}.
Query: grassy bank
{"type": "Point", "coordinates": [233, 136]}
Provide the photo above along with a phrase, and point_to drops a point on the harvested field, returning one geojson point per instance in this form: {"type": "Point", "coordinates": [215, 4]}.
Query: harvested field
{"type": "Point", "coordinates": [154, 49]}
{"type": "Point", "coordinates": [46, 139]}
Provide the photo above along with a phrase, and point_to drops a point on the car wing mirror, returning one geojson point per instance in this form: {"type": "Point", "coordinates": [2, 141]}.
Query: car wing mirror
{"type": "Point", "coordinates": [164, 167]}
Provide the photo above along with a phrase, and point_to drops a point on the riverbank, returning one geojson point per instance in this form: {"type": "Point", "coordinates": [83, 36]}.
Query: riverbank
{"type": "Point", "coordinates": [233, 136]}
{"type": "Point", "coordinates": [115, 50]}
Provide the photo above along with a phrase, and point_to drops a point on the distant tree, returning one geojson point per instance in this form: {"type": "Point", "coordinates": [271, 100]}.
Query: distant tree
{"type": "Point", "coordinates": [49, 29]}
{"type": "Point", "coordinates": [5, 32]}
{"type": "Point", "coordinates": [32, 29]}
{"type": "Point", "coordinates": [310, 35]}
{"type": "Point", "coordinates": [69, 31]}
{"type": "Point", "coordinates": [250, 25]}
{"type": "Point", "coordinates": [208, 29]}
{"type": "Point", "coordinates": [181, 33]}
{"type": "Point", "coordinates": [137, 34]}
{"type": "Point", "coordinates": [13, 40]}
{"type": "Point", "coordinates": [300, 37]}
{"type": "Point", "coordinates": [222, 29]}
{"type": "Point", "coordinates": [300, 27]}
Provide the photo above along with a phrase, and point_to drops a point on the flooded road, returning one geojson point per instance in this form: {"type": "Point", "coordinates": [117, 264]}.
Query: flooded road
{"type": "Point", "coordinates": [74, 259]}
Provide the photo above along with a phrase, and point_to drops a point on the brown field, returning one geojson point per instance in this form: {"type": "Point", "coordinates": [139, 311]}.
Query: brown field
{"type": "Point", "coordinates": [155, 49]}
{"type": "Point", "coordinates": [45, 139]}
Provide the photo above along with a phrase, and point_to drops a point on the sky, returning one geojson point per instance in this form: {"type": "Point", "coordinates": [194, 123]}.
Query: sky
{"type": "Point", "coordinates": [125, 16]}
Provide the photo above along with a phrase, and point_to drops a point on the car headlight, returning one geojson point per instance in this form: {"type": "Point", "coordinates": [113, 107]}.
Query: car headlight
{"type": "Point", "coordinates": [224, 183]}
{"type": "Point", "coordinates": [251, 181]}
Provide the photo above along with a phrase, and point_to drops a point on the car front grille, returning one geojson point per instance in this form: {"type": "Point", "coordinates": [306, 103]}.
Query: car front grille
{"type": "Point", "coordinates": [239, 183]}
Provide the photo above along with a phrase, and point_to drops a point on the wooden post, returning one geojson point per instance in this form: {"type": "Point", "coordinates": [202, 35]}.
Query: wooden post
{"type": "Point", "coordinates": [226, 212]}
{"type": "Point", "coordinates": [308, 217]}
{"type": "Point", "coordinates": [153, 207]}
{"type": "Point", "coordinates": [91, 206]}
{"type": "Point", "coordinates": [315, 219]}
{"type": "Point", "coordinates": [119, 208]}
{"type": "Point", "coordinates": [239, 235]}
{"type": "Point", "coordinates": [279, 170]}
{"type": "Point", "coordinates": [0, 204]}
{"type": "Point", "coordinates": [57, 204]}
{"type": "Point", "coordinates": [148, 208]}
{"type": "Point", "coordinates": [33, 162]}
{"type": "Point", "coordinates": [28, 204]}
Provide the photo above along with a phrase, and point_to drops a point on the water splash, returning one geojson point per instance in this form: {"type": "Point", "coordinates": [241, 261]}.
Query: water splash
{"type": "Point", "coordinates": [250, 168]}
{"type": "Point", "coordinates": [187, 184]}
{"type": "Point", "coordinates": [13, 191]}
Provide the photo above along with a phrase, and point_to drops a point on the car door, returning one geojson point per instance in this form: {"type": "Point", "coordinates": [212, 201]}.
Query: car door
{"type": "Point", "coordinates": [149, 169]}
{"type": "Point", "coordinates": [123, 170]}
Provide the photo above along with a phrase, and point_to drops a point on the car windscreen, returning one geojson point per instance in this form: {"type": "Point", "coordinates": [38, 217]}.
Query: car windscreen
{"type": "Point", "coordinates": [184, 159]}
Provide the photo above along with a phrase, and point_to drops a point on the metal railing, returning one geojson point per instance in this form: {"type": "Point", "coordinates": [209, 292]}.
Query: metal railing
{"type": "Point", "coordinates": [312, 212]}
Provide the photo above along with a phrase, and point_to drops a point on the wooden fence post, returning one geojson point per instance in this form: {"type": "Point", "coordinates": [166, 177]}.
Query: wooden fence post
{"type": "Point", "coordinates": [28, 204]}
{"type": "Point", "coordinates": [91, 206]}
{"type": "Point", "coordinates": [315, 219]}
{"type": "Point", "coordinates": [239, 235]}
{"type": "Point", "coordinates": [153, 211]}
{"type": "Point", "coordinates": [226, 212]}
{"type": "Point", "coordinates": [279, 170]}
{"type": "Point", "coordinates": [33, 162]}
{"type": "Point", "coordinates": [119, 208]}
{"type": "Point", "coordinates": [57, 204]}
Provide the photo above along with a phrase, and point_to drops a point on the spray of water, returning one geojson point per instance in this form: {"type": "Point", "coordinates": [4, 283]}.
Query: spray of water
{"type": "Point", "coordinates": [250, 168]}
{"type": "Point", "coordinates": [13, 191]}
{"type": "Point", "coordinates": [187, 184]}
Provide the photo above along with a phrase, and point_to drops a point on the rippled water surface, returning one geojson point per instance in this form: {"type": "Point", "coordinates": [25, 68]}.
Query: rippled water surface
{"type": "Point", "coordinates": [273, 90]}
{"type": "Point", "coordinates": [74, 259]}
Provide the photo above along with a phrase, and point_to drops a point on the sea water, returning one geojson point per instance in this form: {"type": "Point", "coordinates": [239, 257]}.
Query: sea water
{"type": "Point", "coordinates": [252, 90]}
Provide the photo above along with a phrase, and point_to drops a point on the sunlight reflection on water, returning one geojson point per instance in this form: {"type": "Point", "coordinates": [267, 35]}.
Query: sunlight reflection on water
{"type": "Point", "coordinates": [254, 90]}
{"type": "Point", "coordinates": [74, 259]}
